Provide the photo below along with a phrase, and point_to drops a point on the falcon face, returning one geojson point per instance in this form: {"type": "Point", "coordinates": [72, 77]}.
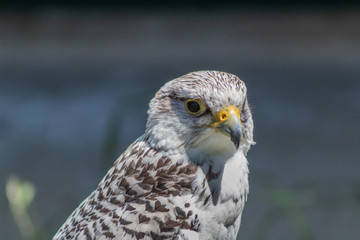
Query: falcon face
{"type": "Point", "coordinates": [186, 177]}
{"type": "Point", "coordinates": [202, 111]}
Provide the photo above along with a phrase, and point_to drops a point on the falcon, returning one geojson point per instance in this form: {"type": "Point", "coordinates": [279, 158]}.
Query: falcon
{"type": "Point", "coordinates": [186, 177]}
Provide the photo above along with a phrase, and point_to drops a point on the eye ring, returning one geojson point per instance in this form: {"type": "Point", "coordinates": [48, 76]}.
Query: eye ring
{"type": "Point", "coordinates": [194, 106]}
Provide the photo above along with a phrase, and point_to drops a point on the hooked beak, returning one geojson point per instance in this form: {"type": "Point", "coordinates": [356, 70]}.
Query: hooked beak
{"type": "Point", "coordinates": [227, 121]}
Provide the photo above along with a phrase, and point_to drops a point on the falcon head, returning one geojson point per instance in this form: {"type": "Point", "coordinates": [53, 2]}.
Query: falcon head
{"type": "Point", "coordinates": [205, 111]}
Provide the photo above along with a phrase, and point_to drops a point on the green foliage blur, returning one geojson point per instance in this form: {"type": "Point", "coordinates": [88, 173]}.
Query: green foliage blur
{"type": "Point", "coordinates": [20, 194]}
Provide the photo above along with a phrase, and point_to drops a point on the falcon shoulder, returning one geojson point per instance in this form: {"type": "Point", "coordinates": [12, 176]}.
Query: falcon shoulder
{"type": "Point", "coordinates": [144, 195]}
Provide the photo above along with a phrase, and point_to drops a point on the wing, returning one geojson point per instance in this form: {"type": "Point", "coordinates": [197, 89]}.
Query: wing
{"type": "Point", "coordinates": [144, 195]}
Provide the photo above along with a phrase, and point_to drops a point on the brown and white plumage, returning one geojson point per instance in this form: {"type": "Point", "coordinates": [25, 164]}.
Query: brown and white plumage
{"type": "Point", "coordinates": [186, 177]}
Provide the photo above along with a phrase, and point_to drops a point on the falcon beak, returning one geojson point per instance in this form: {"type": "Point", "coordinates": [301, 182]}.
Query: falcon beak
{"type": "Point", "coordinates": [227, 121]}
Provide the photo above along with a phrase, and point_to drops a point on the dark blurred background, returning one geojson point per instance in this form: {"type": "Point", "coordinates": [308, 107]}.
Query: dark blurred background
{"type": "Point", "coordinates": [76, 79]}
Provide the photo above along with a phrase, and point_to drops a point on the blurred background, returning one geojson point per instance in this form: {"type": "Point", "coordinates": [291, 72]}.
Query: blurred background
{"type": "Point", "coordinates": [76, 80]}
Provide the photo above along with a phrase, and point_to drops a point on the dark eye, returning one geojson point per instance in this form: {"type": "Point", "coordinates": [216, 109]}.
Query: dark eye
{"type": "Point", "coordinates": [193, 106]}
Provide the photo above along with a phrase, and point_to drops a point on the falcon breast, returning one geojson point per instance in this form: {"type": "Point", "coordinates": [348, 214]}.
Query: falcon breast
{"type": "Point", "coordinates": [186, 177]}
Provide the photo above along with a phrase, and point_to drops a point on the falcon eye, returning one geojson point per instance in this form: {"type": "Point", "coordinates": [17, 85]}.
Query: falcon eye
{"type": "Point", "coordinates": [194, 106]}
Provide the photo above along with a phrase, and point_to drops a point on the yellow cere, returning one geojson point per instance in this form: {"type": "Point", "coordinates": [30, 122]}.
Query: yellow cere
{"type": "Point", "coordinates": [224, 114]}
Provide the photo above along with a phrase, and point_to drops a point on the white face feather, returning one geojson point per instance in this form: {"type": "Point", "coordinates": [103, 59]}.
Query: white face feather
{"type": "Point", "coordinates": [171, 128]}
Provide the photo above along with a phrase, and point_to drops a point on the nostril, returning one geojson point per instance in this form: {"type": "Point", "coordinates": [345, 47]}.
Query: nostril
{"type": "Point", "coordinates": [223, 117]}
